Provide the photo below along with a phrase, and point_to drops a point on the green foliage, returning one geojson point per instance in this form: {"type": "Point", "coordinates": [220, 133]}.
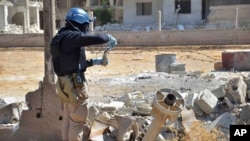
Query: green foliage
{"type": "Point", "coordinates": [105, 3]}
{"type": "Point", "coordinates": [104, 13]}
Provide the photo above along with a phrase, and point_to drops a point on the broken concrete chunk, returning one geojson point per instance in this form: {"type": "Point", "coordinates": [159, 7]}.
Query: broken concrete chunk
{"type": "Point", "coordinates": [176, 67]}
{"type": "Point", "coordinates": [235, 90]}
{"type": "Point", "coordinates": [129, 97]}
{"type": "Point", "coordinates": [244, 115]}
{"type": "Point", "coordinates": [125, 111]}
{"type": "Point", "coordinates": [117, 104]}
{"type": "Point", "coordinates": [197, 110]}
{"type": "Point", "coordinates": [11, 113]}
{"type": "Point", "coordinates": [189, 102]}
{"type": "Point", "coordinates": [223, 121]}
{"type": "Point", "coordinates": [207, 101]}
{"type": "Point", "coordinates": [219, 92]}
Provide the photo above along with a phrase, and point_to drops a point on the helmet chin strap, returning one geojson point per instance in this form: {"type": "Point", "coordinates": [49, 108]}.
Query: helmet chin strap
{"type": "Point", "coordinates": [73, 25]}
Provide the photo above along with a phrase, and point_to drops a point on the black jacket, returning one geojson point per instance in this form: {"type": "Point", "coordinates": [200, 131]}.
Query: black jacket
{"type": "Point", "coordinates": [67, 47]}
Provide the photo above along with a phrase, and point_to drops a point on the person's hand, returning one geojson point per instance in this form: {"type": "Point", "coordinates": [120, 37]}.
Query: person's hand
{"type": "Point", "coordinates": [112, 41]}
{"type": "Point", "coordinates": [100, 61]}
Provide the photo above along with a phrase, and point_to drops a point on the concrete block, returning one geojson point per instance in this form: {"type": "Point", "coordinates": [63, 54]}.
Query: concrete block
{"type": "Point", "coordinates": [223, 121]}
{"type": "Point", "coordinates": [117, 104]}
{"type": "Point", "coordinates": [134, 103]}
{"type": "Point", "coordinates": [125, 111]}
{"type": "Point", "coordinates": [219, 92]}
{"type": "Point", "coordinates": [180, 72]}
{"type": "Point", "coordinates": [129, 97]}
{"type": "Point", "coordinates": [109, 109]}
{"type": "Point", "coordinates": [197, 110]}
{"type": "Point", "coordinates": [207, 101]}
{"type": "Point", "coordinates": [190, 100]}
{"type": "Point", "coordinates": [236, 90]}
{"type": "Point", "coordinates": [163, 62]}
{"type": "Point", "coordinates": [176, 67]}
{"type": "Point", "coordinates": [241, 60]}
{"type": "Point", "coordinates": [142, 109]}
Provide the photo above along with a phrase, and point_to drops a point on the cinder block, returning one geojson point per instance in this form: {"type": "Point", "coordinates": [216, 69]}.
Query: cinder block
{"type": "Point", "coordinates": [207, 101]}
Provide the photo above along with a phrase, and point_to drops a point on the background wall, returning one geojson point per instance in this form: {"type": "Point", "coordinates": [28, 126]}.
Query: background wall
{"type": "Point", "coordinates": [228, 2]}
{"type": "Point", "coordinates": [152, 38]}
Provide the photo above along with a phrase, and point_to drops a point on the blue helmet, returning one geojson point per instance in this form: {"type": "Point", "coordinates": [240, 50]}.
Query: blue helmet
{"type": "Point", "coordinates": [78, 15]}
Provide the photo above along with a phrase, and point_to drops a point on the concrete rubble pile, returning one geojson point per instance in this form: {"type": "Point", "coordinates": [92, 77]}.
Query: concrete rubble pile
{"type": "Point", "coordinates": [217, 99]}
{"type": "Point", "coordinates": [152, 27]}
{"type": "Point", "coordinates": [18, 29]}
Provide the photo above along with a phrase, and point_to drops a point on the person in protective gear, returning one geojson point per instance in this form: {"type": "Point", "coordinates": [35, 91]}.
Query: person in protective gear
{"type": "Point", "coordinates": [70, 63]}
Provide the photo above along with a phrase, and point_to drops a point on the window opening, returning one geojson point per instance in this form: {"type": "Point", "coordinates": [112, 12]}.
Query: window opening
{"type": "Point", "coordinates": [185, 6]}
{"type": "Point", "coordinates": [144, 8]}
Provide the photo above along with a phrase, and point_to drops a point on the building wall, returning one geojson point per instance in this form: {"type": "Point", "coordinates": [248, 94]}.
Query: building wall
{"type": "Point", "coordinates": [148, 39]}
{"type": "Point", "coordinates": [167, 9]}
{"type": "Point", "coordinates": [228, 2]}
{"type": "Point", "coordinates": [129, 13]}
{"type": "Point", "coordinates": [227, 15]}
{"type": "Point", "coordinates": [170, 16]}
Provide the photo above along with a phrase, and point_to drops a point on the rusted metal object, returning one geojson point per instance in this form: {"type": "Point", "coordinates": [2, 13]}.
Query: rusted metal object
{"type": "Point", "coordinates": [236, 59]}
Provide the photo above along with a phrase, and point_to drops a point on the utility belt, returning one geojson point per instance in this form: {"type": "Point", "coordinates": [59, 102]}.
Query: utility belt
{"type": "Point", "coordinates": [72, 88]}
{"type": "Point", "coordinates": [78, 78]}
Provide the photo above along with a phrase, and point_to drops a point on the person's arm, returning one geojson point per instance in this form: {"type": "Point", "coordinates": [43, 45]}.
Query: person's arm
{"type": "Point", "coordinates": [79, 39]}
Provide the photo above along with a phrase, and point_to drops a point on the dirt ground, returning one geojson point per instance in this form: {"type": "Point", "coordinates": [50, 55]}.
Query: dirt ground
{"type": "Point", "coordinates": [21, 69]}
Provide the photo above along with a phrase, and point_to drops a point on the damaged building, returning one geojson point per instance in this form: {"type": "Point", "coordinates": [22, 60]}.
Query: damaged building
{"type": "Point", "coordinates": [29, 12]}
{"type": "Point", "coordinates": [23, 13]}
{"type": "Point", "coordinates": [168, 14]}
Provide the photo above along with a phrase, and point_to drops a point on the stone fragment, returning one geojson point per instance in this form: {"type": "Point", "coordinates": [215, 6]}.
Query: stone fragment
{"type": "Point", "coordinates": [236, 90]}
{"type": "Point", "coordinates": [207, 101]}
{"type": "Point", "coordinates": [223, 121]}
